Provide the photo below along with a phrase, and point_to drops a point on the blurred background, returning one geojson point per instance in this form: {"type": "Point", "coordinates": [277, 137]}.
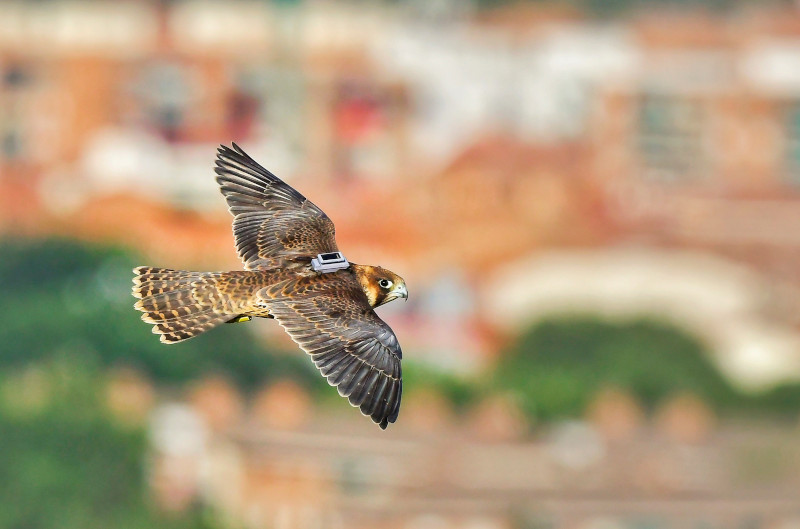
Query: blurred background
{"type": "Point", "coordinates": [595, 204]}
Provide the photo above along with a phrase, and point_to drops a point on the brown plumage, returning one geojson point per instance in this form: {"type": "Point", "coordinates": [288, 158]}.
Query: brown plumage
{"type": "Point", "coordinates": [277, 232]}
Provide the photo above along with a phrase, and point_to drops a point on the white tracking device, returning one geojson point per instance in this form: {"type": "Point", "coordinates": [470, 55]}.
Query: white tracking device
{"type": "Point", "coordinates": [329, 262]}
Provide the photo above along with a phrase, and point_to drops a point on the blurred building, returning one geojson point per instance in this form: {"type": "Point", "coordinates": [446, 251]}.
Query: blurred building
{"type": "Point", "coordinates": [456, 144]}
{"type": "Point", "coordinates": [509, 164]}
{"type": "Point", "coordinates": [340, 471]}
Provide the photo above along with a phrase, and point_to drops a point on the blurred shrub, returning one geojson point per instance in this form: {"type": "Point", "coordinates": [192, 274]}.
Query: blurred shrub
{"type": "Point", "coordinates": [460, 392]}
{"type": "Point", "coordinates": [63, 463]}
{"type": "Point", "coordinates": [67, 297]}
{"type": "Point", "coordinates": [64, 299]}
{"type": "Point", "coordinates": [561, 363]}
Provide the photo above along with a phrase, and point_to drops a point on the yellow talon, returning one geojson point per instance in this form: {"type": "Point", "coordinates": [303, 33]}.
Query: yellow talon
{"type": "Point", "coordinates": [240, 319]}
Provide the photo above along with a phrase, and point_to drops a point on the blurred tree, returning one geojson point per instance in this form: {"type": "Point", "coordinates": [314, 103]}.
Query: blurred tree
{"type": "Point", "coordinates": [64, 299]}
{"type": "Point", "coordinates": [459, 391]}
{"type": "Point", "coordinates": [560, 363]}
{"type": "Point", "coordinates": [62, 296]}
{"type": "Point", "coordinates": [69, 298]}
{"type": "Point", "coordinates": [63, 465]}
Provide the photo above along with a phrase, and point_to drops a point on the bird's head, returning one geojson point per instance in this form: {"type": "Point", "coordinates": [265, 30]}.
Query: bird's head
{"type": "Point", "coordinates": [380, 285]}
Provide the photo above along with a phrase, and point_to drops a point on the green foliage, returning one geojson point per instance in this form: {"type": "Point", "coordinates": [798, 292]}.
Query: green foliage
{"type": "Point", "coordinates": [63, 464]}
{"type": "Point", "coordinates": [63, 299]}
{"type": "Point", "coordinates": [460, 392]}
{"type": "Point", "coordinates": [559, 364]}
{"type": "Point", "coordinates": [67, 315]}
{"type": "Point", "coordinates": [63, 296]}
{"type": "Point", "coordinates": [782, 400]}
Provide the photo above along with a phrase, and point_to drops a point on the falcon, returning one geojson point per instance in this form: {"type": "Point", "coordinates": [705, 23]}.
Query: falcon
{"type": "Point", "coordinates": [294, 273]}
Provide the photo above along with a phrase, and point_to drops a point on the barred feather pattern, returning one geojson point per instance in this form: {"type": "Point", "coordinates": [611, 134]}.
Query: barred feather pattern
{"type": "Point", "coordinates": [357, 352]}
{"type": "Point", "coordinates": [181, 304]}
{"type": "Point", "coordinates": [274, 225]}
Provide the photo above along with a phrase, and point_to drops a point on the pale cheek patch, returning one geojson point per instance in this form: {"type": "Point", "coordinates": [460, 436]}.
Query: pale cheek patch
{"type": "Point", "coordinates": [372, 294]}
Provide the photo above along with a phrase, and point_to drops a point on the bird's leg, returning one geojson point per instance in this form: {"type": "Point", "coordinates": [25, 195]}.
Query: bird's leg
{"type": "Point", "coordinates": [239, 319]}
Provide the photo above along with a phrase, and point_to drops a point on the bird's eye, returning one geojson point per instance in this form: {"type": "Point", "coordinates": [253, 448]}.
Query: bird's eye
{"type": "Point", "coordinates": [385, 283]}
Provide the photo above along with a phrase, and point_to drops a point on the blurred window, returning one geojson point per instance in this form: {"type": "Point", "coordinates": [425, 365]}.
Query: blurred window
{"type": "Point", "coordinates": [16, 81]}
{"type": "Point", "coordinates": [165, 90]}
{"type": "Point", "coordinates": [269, 103]}
{"type": "Point", "coordinates": [366, 126]}
{"type": "Point", "coordinates": [670, 140]}
{"type": "Point", "coordinates": [792, 128]}
{"type": "Point", "coordinates": [16, 76]}
{"type": "Point", "coordinates": [353, 476]}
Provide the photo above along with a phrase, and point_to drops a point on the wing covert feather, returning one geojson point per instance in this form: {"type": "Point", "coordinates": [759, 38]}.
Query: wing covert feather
{"type": "Point", "coordinates": [273, 223]}
{"type": "Point", "coordinates": [352, 347]}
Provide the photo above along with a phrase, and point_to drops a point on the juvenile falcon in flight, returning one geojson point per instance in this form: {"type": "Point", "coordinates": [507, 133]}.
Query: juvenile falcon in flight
{"type": "Point", "coordinates": [295, 274]}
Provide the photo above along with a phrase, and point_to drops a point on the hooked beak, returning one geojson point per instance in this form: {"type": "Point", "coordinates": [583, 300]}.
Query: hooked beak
{"type": "Point", "coordinates": [400, 291]}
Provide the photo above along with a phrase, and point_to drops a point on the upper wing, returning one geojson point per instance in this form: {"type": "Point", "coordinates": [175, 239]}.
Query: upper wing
{"type": "Point", "coordinates": [272, 221]}
{"type": "Point", "coordinates": [330, 319]}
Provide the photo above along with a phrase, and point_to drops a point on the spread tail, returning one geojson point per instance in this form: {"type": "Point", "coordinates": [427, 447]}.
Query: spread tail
{"type": "Point", "coordinates": [179, 304]}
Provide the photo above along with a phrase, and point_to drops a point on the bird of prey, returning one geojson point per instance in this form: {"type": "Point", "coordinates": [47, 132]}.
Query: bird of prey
{"type": "Point", "coordinates": [295, 274]}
